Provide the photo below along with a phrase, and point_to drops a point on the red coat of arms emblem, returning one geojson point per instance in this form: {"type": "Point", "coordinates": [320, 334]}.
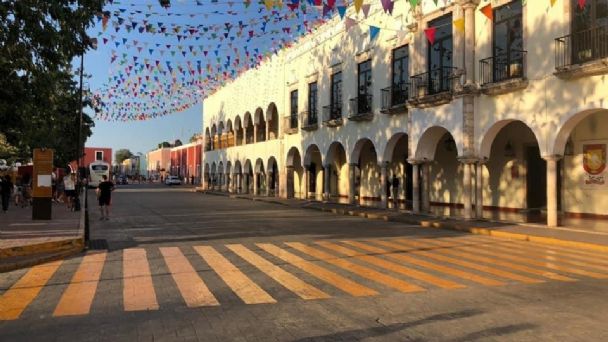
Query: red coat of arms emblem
{"type": "Point", "coordinates": [594, 158]}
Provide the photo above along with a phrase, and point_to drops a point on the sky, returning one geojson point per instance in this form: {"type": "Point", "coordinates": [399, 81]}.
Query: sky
{"type": "Point", "coordinates": [254, 30]}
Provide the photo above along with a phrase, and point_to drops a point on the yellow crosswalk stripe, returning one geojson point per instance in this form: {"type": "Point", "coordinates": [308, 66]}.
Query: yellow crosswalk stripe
{"type": "Point", "coordinates": [319, 272]}
{"type": "Point", "coordinates": [138, 288]}
{"type": "Point", "coordinates": [78, 297]}
{"type": "Point", "coordinates": [546, 264]}
{"type": "Point", "coordinates": [391, 266]}
{"type": "Point", "coordinates": [448, 248]}
{"type": "Point", "coordinates": [24, 291]}
{"type": "Point", "coordinates": [244, 287]}
{"type": "Point", "coordinates": [359, 270]}
{"type": "Point", "coordinates": [192, 288]}
{"type": "Point", "coordinates": [423, 263]}
{"type": "Point", "coordinates": [288, 280]}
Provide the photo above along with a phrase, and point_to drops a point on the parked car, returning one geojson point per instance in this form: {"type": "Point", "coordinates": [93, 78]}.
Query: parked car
{"type": "Point", "coordinates": [173, 180]}
{"type": "Point", "coordinates": [122, 180]}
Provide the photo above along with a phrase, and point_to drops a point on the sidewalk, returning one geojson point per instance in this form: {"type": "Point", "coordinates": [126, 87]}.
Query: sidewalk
{"type": "Point", "coordinates": [25, 242]}
{"type": "Point", "coordinates": [561, 236]}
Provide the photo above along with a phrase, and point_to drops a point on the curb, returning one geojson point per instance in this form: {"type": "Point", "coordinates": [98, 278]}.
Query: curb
{"type": "Point", "coordinates": [40, 259]}
{"type": "Point", "coordinates": [442, 224]}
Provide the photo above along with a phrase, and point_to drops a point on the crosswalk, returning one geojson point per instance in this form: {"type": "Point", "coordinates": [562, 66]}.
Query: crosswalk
{"type": "Point", "coordinates": [259, 273]}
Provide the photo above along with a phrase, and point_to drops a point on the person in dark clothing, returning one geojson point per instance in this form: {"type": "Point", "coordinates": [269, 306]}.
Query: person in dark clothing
{"type": "Point", "coordinates": [6, 189]}
{"type": "Point", "coordinates": [104, 195]}
{"type": "Point", "coordinates": [395, 188]}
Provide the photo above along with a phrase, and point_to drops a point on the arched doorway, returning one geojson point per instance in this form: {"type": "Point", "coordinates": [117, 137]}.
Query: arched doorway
{"type": "Point", "coordinates": [214, 138]}
{"type": "Point", "coordinates": [272, 178]}
{"type": "Point", "coordinates": [295, 172]}
{"type": "Point", "coordinates": [207, 177]}
{"type": "Point", "coordinates": [313, 168]}
{"type": "Point", "coordinates": [514, 176]}
{"type": "Point", "coordinates": [368, 185]}
{"type": "Point", "coordinates": [228, 177]}
{"type": "Point", "coordinates": [237, 176]}
{"type": "Point", "coordinates": [248, 177]}
{"type": "Point", "coordinates": [259, 177]}
{"type": "Point", "coordinates": [238, 130]}
{"type": "Point", "coordinates": [260, 125]}
{"type": "Point", "coordinates": [213, 176]}
{"type": "Point", "coordinates": [272, 116]}
{"type": "Point", "coordinates": [249, 130]}
{"type": "Point", "coordinates": [338, 172]}
{"type": "Point", "coordinates": [229, 134]}
{"type": "Point", "coordinates": [207, 139]}
{"type": "Point", "coordinates": [221, 176]}
{"type": "Point", "coordinates": [399, 172]}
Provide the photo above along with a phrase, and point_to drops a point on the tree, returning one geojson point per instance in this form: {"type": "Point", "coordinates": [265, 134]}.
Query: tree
{"type": "Point", "coordinates": [177, 143]}
{"type": "Point", "coordinates": [164, 144]}
{"type": "Point", "coordinates": [121, 155]}
{"type": "Point", "coordinates": [195, 137]}
{"type": "Point", "coordinates": [39, 99]}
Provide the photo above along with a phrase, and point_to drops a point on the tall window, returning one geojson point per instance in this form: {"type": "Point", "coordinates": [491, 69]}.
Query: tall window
{"type": "Point", "coordinates": [312, 103]}
{"type": "Point", "coordinates": [364, 87]}
{"type": "Point", "coordinates": [293, 98]}
{"type": "Point", "coordinates": [336, 95]}
{"type": "Point", "coordinates": [589, 30]}
{"type": "Point", "coordinates": [98, 155]}
{"type": "Point", "coordinates": [508, 41]}
{"type": "Point", "coordinates": [440, 55]}
{"type": "Point", "coordinates": [401, 61]}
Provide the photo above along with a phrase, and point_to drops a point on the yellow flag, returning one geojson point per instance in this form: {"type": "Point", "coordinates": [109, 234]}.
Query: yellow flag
{"type": "Point", "coordinates": [268, 4]}
{"type": "Point", "coordinates": [459, 24]}
{"type": "Point", "coordinates": [358, 4]}
{"type": "Point", "coordinates": [553, 2]}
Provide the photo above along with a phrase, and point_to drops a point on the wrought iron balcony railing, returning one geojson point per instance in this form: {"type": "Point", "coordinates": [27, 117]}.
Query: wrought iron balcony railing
{"type": "Point", "coordinates": [290, 124]}
{"type": "Point", "coordinates": [332, 115]}
{"type": "Point", "coordinates": [435, 81]}
{"type": "Point", "coordinates": [361, 108]}
{"type": "Point", "coordinates": [394, 96]}
{"type": "Point", "coordinates": [503, 67]}
{"type": "Point", "coordinates": [310, 120]}
{"type": "Point", "coordinates": [581, 47]}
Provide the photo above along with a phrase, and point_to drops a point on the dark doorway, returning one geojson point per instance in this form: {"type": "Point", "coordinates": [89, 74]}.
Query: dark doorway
{"type": "Point", "coordinates": [313, 178]}
{"type": "Point", "coordinates": [536, 179]}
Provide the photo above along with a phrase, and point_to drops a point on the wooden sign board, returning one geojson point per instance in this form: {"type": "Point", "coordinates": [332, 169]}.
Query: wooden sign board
{"type": "Point", "coordinates": [43, 170]}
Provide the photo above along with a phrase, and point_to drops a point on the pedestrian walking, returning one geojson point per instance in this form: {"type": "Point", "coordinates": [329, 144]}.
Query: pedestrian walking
{"type": "Point", "coordinates": [104, 196]}
{"type": "Point", "coordinates": [395, 190]}
{"type": "Point", "coordinates": [6, 189]}
{"type": "Point", "coordinates": [69, 184]}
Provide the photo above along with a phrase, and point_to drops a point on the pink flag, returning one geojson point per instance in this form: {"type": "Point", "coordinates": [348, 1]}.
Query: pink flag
{"type": "Point", "coordinates": [365, 9]}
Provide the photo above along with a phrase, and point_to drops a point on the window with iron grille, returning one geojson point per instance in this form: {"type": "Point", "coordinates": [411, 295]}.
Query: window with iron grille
{"type": "Point", "coordinates": [401, 61]}
{"type": "Point", "coordinates": [364, 86]}
{"type": "Point", "coordinates": [440, 55]}
{"type": "Point", "coordinates": [312, 103]}
{"type": "Point", "coordinates": [589, 30]}
{"type": "Point", "coordinates": [508, 42]}
{"type": "Point", "coordinates": [293, 97]}
{"type": "Point", "coordinates": [336, 95]}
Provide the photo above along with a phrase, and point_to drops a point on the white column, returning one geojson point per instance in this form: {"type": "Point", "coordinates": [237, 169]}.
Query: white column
{"type": "Point", "coordinates": [466, 190]}
{"type": "Point", "coordinates": [479, 191]}
{"type": "Point", "coordinates": [383, 195]}
{"type": "Point", "coordinates": [305, 177]}
{"type": "Point", "coordinates": [415, 186]}
{"type": "Point", "coordinates": [351, 183]}
{"type": "Point", "coordinates": [552, 218]}
{"type": "Point", "coordinates": [326, 181]}
{"type": "Point", "coordinates": [469, 31]}
{"type": "Point", "coordinates": [255, 183]}
{"type": "Point", "coordinates": [426, 202]}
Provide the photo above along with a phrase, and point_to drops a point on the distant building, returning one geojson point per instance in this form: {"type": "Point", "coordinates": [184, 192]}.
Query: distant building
{"type": "Point", "coordinates": [186, 161]}
{"type": "Point", "coordinates": [159, 162]}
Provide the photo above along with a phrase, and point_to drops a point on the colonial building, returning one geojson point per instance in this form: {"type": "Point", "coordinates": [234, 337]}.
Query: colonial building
{"type": "Point", "coordinates": [471, 109]}
{"type": "Point", "coordinates": [186, 161]}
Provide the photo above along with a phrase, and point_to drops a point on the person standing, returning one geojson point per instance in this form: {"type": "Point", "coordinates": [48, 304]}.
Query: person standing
{"type": "Point", "coordinates": [104, 195]}
{"type": "Point", "coordinates": [395, 192]}
{"type": "Point", "coordinates": [6, 188]}
{"type": "Point", "coordinates": [69, 184]}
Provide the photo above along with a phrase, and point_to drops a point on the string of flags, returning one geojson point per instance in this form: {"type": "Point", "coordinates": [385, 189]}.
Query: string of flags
{"type": "Point", "coordinates": [160, 64]}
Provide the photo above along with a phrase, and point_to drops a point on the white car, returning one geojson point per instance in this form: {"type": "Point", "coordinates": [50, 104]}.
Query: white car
{"type": "Point", "coordinates": [173, 180]}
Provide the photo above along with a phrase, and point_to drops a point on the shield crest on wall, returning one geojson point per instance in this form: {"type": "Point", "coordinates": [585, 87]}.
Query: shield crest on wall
{"type": "Point", "coordinates": [594, 158]}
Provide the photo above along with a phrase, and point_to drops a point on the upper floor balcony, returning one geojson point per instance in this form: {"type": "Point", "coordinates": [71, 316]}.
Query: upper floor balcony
{"type": "Point", "coordinates": [332, 115]}
{"type": "Point", "coordinates": [394, 98]}
{"type": "Point", "coordinates": [361, 108]}
{"type": "Point", "coordinates": [582, 53]}
{"type": "Point", "coordinates": [290, 124]}
{"type": "Point", "coordinates": [433, 88]}
{"type": "Point", "coordinates": [309, 120]}
{"type": "Point", "coordinates": [503, 73]}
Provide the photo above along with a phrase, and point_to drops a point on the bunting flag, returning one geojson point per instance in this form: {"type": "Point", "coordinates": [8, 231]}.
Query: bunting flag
{"type": "Point", "coordinates": [487, 11]}
{"type": "Point", "coordinates": [387, 5]}
{"type": "Point", "coordinates": [459, 24]}
{"type": "Point", "coordinates": [552, 2]}
{"type": "Point", "coordinates": [413, 3]}
{"type": "Point", "coordinates": [358, 4]}
{"type": "Point", "coordinates": [349, 22]}
{"type": "Point", "coordinates": [430, 34]}
{"type": "Point", "coordinates": [365, 9]}
{"type": "Point", "coordinates": [373, 32]}
{"type": "Point", "coordinates": [581, 4]}
{"type": "Point", "coordinates": [341, 11]}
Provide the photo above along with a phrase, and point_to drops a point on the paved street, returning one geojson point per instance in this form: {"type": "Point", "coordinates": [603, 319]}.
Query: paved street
{"type": "Point", "coordinates": [185, 266]}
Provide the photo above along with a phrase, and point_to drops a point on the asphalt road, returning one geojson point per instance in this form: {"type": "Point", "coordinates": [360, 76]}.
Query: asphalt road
{"type": "Point", "coordinates": [186, 266]}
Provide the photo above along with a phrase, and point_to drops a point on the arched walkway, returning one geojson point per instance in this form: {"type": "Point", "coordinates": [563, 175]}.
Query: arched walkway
{"type": "Point", "coordinates": [213, 176]}
{"type": "Point", "coordinates": [337, 166]}
{"type": "Point", "coordinates": [295, 172]}
{"type": "Point", "coordinates": [272, 116]}
{"type": "Point", "coordinates": [399, 174]}
{"type": "Point", "coordinates": [368, 183]}
{"type": "Point", "coordinates": [248, 177]}
{"type": "Point", "coordinates": [260, 125]}
{"type": "Point", "coordinates": [207, 139]}
{"type": "Point", "coordinates": [259, 185]}
{"type": "Point", "coordinates": [206, 177]}
{"type": "Point", "coordinates": [214, 137]}
{"type": "Point", "coordinates": [228, 176]}
{"type": "Point", "coordinates": [221, 176]}
{"type": "Point", "coordinates": [238, 129]}
{"type": "Point", "coordinates": [249, 128]}
{"type": "Point", "coordinates": [237, 175]}
{"type": "Point", "coordinates": [272, 178]}
{"type": "Point", "coordinates": [229, 134]}
{"type": "Point", "coordinates": [313, 172]}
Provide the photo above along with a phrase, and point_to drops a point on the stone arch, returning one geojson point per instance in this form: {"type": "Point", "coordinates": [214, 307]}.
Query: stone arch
{"type": "Point", "coordinates": [427, 145]}
{"type": "Point", "coordinates": [260, 124]}
{"type": "Point", "coordinates": [228, 176]}
{"type": "Point", "coordinates": [356, 153]}
{"type": "Point", "coordinates": [337, 160]}
{"type": "Point", "coordinates": [207, 139]}
{"type": "Point", "coordinates": [249, 128]}
{"type": "Point", "coordinates": [213, 175]}
{"type": "Point", "coordinates": [568, 126]}
{"type": "Point", "coordinates": [367, 172]}
{"type": "Point", "coordinates": [247, 177]}
{"type": "Point", "coordinates": [238, 130]}
{"type": "Point", "coordinates": [229, 133]}
{"type": "Point", "coordinates": [294, 173]}
{"type": "Point", "coordinates": [214, 137]}
{"type": "Point", "coordinates": [272, 182]}
{"type": "Point", "coordinates": [272, 117]}
{"type": "Point", "coordinates": [490, 135]}
{"type": "Point", "coordinates": [311, 150]}
{"type": "Point", "coordinates": [313, 166]}
{"type": "Point", "coordinates": [221, 176]}
{"type": "Point", "coordinates": [396, 153]}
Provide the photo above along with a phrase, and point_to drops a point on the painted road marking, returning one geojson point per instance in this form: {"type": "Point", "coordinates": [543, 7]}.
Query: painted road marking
{"type": "Point", "coordinates": [319, 272]}
{"type": "Point", "coordinates": [423, 263]}
{"type": "Point", "coordinates": [24, 291]}
{"type": "Point", "coordinates": [479, 267]}
{"type": "Point", "coordinates": [288, 280]}
{"type": "Point", "coordinates": [78, 297]}
{"type": "Point", "coordinates": [192, 288]}
{"type": "Point", "coordinates": [138, 288]}
{"type": "Point", "coordinates": [391, 266]}
{"type": "Point", "coordinates": [362, 271]}
{"type": "Point", "coordinates": [244, 287]}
